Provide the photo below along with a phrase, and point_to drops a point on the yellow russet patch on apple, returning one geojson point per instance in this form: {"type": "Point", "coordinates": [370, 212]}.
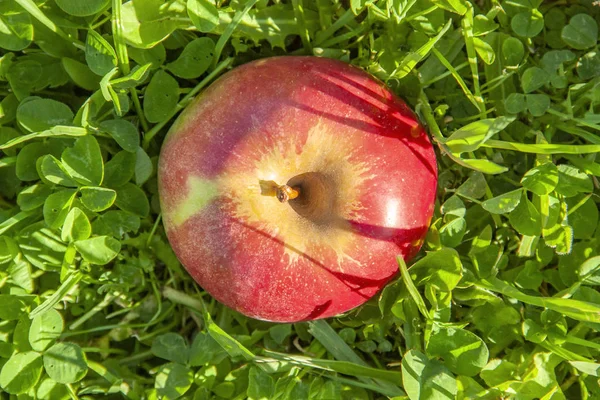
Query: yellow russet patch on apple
{"type": "Point", "coordinates": [199, 193]}
{"type": "Point", "coordinates": [323, 152]}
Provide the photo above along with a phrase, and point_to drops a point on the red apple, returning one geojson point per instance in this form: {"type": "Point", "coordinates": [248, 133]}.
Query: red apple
{"type": "Point", "coordinates": [291, 184]}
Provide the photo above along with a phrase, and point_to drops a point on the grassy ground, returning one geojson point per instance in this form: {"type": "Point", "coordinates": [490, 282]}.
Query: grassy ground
{"type": "Point", "coordinates": [502, 302]}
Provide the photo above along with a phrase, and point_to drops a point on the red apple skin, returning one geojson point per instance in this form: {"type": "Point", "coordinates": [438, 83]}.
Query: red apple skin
{"type": "Point", "coordinates": [272, 119]}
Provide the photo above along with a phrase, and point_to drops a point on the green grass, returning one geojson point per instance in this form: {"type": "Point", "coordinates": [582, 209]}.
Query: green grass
{"type": "Point", "coordinates": [502, 302]}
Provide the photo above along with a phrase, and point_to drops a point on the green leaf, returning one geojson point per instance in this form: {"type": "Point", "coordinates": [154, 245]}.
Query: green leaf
{"type": "Point", "coordinates": [116, 223]}
{"type": "Point", "coordinates": [260, 385]}
{"type": "Point", "coordinates": [120, 169]}
{"type": "Point", "coordinates": [132, 199]}
{"type": "Point", "coordinates": [410, 60]}
{"type": "Point", "coordinates": [148, 22]}
{"type": "Point", "coordinates": [463, 352]}
{"type": "Point", "coordinates": [274, 23]}
{"type": "Point", "coordinates": [38, 114]}
{"type": "Point", "coordinates": [426, 379]}
{"type": "Point", "coordinates": [474, 187]}
{"type": "Point", "coordinates": [534, 78]}
{"type": "Point", "coordinates": [45, 329]}
{"type": "Point", "coordinates": [441, 269]}
{"type": "Point", "coordinates": [51, 170]}
{"type": "Point", "coordinates": [513, 51]}
{"type": "Point", "coordinates": [84, 162]}
{"type": "Point", "coordinates": [161, 97]}
{"type": "Point", "coordinates": [588, 66]}
{"type": "Point", "coordinates": [457, 6]}
{"type": "Point", "coordinates": [82, 8]}
{"type": "Point", "coordinates": [572, 181]}
{"type": "Point", "coordinates": [76, 227]}
{"type": "Point", "coordinates": [560, 238]}
{"type": "Point", "coordinates": [136, 77]}
{"type": "Point", "coordinates": [16, 30]}
{"type": "Point", "coordinates": [173, 381]}
{"type": "Point", "coordinates": [65, 362]}
{"type": "Point", "coordinates": [57, 206]}
{"type": "Point", "coordinates": [528, 23]}
{"type": "Point", "coordinates": [584, 219]}
{"type": "Point", "coordinates": [195, 58]}
{"type": "Point", "coordinates": [587, 367]}
{"type": "Point", "coordinates": [143, 167]}
{"type": "Point", "coordinates": [280, 332]}
{"type": "Point", "coordinates": [530, 276]}
{"type": "Point", "coordinates": [499, 371]}
{"type": "Point", "coordinates": [581, 33]}
{"type": "Point", "coordinates": [204, 350]}
{"type": "Point", "coordinates": [171, 346]}
{"type": "Point", "coordinates": [99, 54]}
{"type": "Point", "coordinates": [96, 198]}
{"type": "Point", "coordinates": [483, 165]}
{"type": "Point", "coordinates": [525, 218]}
{"type": "Point", "coordinates": [27, 159]}
{"type": "Point", "coordinates": [533, 332]}
{"type": "Point", "coordinates": [504, 203]}
{"type": "Point", "coordinates": [552, 60]}
{"type": "Point", "coordinates": [452, 233]}
{"type": "Point", "coordinates": [453, 206]}
{"type": "Point", "coordinates": [470, 137]}
{"type": "Point", "coordinates": [81, 74]}
{"type": "Point", "coordinates": [33, 196]}
{"type": "Point", "coordinates": [154, 56]}
{"type": "Point", "coordinates": [482, 25]}
{"type": "Point", "coordinates": [12, 307]}
{"type": "Point", "coordinates": [542, 179]}
{"type": "Point", "coordinates": [21, 372]}
{"type": "Point", "coordinates": [537, 104]}
{"type": "Point", "coordinates": [124, 133]}
{"type": "Point", "coordinates": [8, 113]}
{"type": "Point", "coordinates": [484, 51]}
{"type": "Point", "coordinates": [50, 390]}
{"type": "Point", "coordinates": [204, 14]}
{"type": "Point", "coordinates": [515, 103]}
{"type": "Point", "coordinates": [99, 249]}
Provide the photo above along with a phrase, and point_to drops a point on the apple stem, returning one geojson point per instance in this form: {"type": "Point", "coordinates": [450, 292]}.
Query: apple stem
{"type": "Point", "coordinates": [284, 193]}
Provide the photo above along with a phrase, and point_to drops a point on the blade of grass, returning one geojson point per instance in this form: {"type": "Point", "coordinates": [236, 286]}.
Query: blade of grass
{"type": "Point", "coordinates": [124, 387]}
{"type": "Point", "coordinates": [344, 19]}
{"type": "Point", "coordinates": [467, 26]}
{"type": "Point", "coordinates": [5, 226]}
{"type": "Point", "coordinates": [576, 309]}
{"type": "Point", "coordinates": [412, 289]}
{"type": "Point", "coordinates": [328, 337]}
{"type": "Point", "coordinates": [457, 77]}
{"type": "Point", "coordinates": [229, 30]}
{"type": "Point", "coordinates": [123, 59]}
{"type": "Point", "coordinates": [8, 161]}
{"type": "Point", "coordinates": [57, 296]}
{"type": "Point", "coordinates": [229, 344]}
{"type": "Point", "coordinates": [412, 59]}
{"type": "Point", "coordinates": [543, 148]}
{"type": "Point", "coordinates": [342, 367]}
{"type": "Point", "coordinates": [299, 14]}
{"type": "Point", "coordinates": [563, 353]}
{"type": "Point", "coordinates": [56, 131]}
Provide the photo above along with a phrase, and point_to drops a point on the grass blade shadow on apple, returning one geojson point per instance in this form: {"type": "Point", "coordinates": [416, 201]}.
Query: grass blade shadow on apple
{"type": "Point", "coordinates": [290, 185]}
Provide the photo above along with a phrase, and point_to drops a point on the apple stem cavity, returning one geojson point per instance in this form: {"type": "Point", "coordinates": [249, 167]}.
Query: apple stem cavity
{"type": "Point", "coordinates": [310, 194]}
